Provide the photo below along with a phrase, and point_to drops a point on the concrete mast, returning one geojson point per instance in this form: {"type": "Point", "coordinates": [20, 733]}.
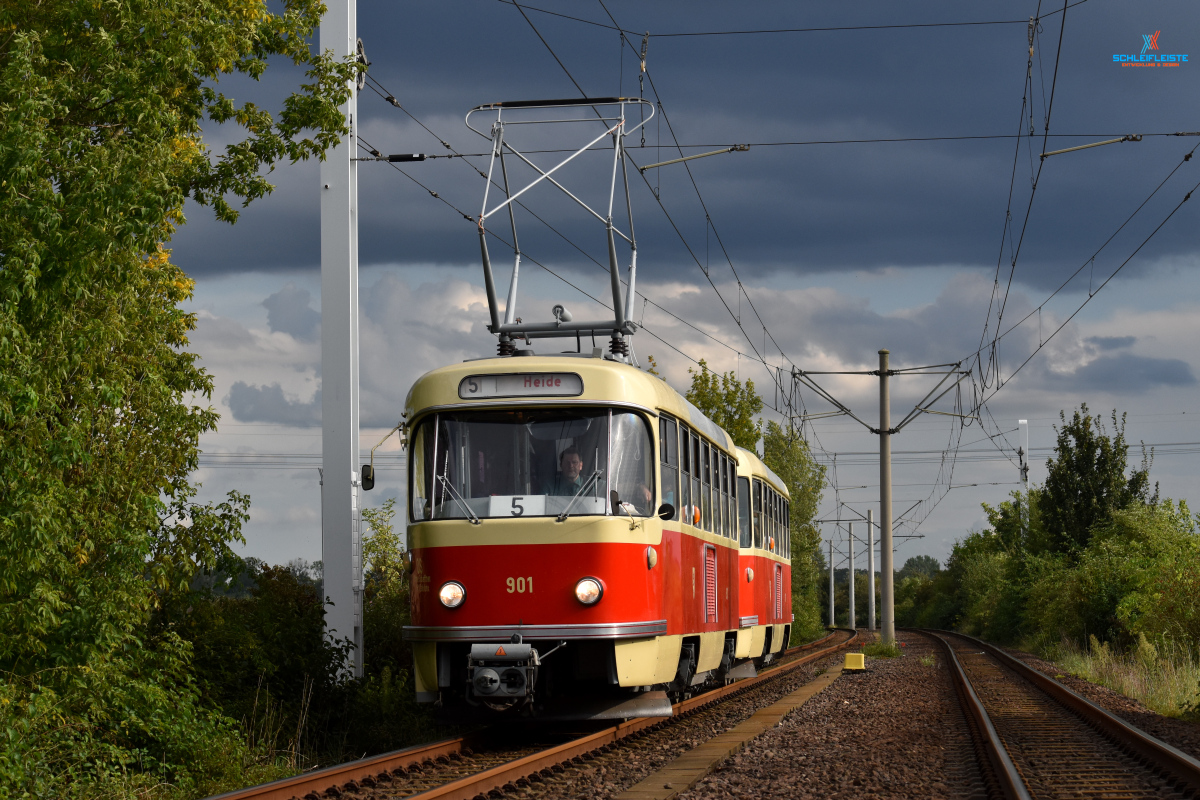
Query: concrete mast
{"type": "Point", "coordinates": [340, 539]}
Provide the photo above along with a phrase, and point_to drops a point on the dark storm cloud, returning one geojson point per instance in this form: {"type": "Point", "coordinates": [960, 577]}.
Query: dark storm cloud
{"type": "Point", "coordinates": [795, 209]}
{"type": "Point", "coordinates": [1130, 374]}
{"type": "Point", "coordinates": [1110, 342]}
{"type": "Point", "coordinates": [269, 404]}
{"type": "Point", "coordinates": [288, 311]}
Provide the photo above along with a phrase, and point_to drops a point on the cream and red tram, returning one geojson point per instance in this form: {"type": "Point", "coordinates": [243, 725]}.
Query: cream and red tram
{"type": "Point", "coordinates": [655, 569]}
{"type": "Point", "coordinates": [583, 541]}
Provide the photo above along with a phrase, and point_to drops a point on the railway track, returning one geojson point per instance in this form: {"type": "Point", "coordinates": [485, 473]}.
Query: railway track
{"type": "Point", "coordinates": [472, 766]}
{"type": "Point", "coordinates": [1038, 739]}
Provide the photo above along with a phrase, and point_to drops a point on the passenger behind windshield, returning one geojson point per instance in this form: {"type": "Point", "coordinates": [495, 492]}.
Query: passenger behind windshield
{"type": "Point", "coordinates": [569, 479]}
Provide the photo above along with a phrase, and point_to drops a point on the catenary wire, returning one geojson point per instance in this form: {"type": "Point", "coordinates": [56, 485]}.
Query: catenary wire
{"type": "Point", "coordinates": [838, 28]}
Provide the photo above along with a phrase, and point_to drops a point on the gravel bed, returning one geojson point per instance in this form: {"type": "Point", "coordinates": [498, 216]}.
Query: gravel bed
{"type": "Point", "coordinates": [1175, 732]}
{"type": "Point", "coordinates": [632, 759]}
{"type": "Point", "coordinates": [893, 731]}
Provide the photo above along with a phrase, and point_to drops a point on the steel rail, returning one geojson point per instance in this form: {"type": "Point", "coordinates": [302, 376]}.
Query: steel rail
{"type": "Point", "coordinates": [1184, 769]}
{"type": "Point", "coordinates": [504, 775]}
{"type": "Point", "coordinates": [1006, 773]}
{"type": "Point", "coordinates": [319, 780]}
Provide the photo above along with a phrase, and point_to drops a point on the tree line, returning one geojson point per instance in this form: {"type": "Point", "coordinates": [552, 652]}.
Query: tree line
{"type": "Point", "coordinates": [1092, 554]}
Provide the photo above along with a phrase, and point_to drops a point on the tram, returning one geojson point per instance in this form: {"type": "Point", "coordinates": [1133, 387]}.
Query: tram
{"type": "Point", "coordinates": [583, 541]}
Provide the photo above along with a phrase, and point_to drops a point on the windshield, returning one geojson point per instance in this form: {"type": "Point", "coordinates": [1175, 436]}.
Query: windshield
{"type": "Point", "coordinates": [531, 463]}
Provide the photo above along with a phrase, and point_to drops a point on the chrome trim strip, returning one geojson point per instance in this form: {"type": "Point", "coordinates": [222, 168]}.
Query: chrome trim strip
{"type": "Point", "coordinates": [747, 622]}
{"type": "Point", "coordinates": [497, 633]}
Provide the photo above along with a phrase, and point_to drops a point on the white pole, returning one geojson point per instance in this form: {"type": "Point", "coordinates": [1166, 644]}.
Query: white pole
{"type": "Point", "coordinates": [850, 583]}
{"type": "Point", "coordinates": [832, 620]}
{"type": "Point", "coordinates": [340, 543]}
{"type": "Point", "coordinates": [885, 500]}
{"type": "Point", "coordinates": [871, 570]}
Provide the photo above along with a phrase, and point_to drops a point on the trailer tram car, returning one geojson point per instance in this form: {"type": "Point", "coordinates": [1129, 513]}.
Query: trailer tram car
{"type": "Point", "coordinates": [584, 542]}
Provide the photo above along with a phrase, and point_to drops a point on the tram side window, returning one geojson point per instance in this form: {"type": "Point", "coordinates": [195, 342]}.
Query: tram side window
{"type": "Point", "coordinates": [787, 529]}
{"type": "Point", "coordinates": [706, 506]}
{"type": "Point", "coordinates": [780, 538]}
{"type": "Point", "coordinates": [784, 537]}
{"type": "Point", "coordinates": [631, 465]}
{"type": "Point", "coordinates": [775, 523]}
{"type": "Point", "coordinates": [697, 497]}
{"type": "Point", "coordinates": [723, 506]}
{"type": "Point", "coordinates": [726, 521]}
{"type": "Point", "coordinates": [685, 473]}
{"type": "Point", "coordinates": [730, 502]}
{"type": "Point", "coordinates": [783, 534]}
{"type": "Point", "coordinates": [668, 443]}
{"type": "Point", "coordinates": [743, 504]}
{"type": "Point", "coordinates": [758, 513]}
{"type": "Point", "coordinates": [718, 500]}
{"type": "Point", "coordinates": [733, 501]}
{"type": "Point", "coordinates": [420, 450]}
{"type": "Point", "coordinates": [771, 517]}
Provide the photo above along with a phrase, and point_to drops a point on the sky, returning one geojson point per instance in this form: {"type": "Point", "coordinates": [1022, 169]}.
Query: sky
{"type": "Point", "coordinates": [804, 252]}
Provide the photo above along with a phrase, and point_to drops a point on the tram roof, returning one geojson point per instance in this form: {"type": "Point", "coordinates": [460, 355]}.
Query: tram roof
{"type": "Point", "coordinates": [603, 382]}
{"type": "Point", "coordinates": [756, 464]}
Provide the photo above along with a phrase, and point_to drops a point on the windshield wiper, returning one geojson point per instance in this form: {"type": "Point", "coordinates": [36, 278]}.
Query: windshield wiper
{"type": "Point", "coordinates": [456, 497]}
{"type": "Point", "coordinates": [586, 485]}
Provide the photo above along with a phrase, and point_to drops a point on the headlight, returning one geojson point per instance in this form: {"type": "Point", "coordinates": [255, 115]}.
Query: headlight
{"type": "Point", "coordinates": [452, 594]}
{"type": "Point", "coordinates": [588, 591]}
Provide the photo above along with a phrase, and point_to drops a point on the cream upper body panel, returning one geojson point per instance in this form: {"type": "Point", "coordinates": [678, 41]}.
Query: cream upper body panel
{"type": "Point", "coordinates": [604, 382]}
{"type": "Point", "coordinates": [751, 466]}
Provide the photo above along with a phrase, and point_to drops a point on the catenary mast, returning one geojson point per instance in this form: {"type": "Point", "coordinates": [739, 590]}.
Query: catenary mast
{"type": "Point", "coordinates": [340, 538]}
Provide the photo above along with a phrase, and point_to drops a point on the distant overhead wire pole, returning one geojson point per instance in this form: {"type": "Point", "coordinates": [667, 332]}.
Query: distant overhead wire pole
{"type": "Point", "coordinates": [952, 374]}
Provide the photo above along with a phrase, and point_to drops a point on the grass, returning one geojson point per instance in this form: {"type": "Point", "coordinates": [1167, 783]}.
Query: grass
{"type": "Point", "coordinates": [1165, 680]}
{"type": "Point", "coordinates": [878, 649]}
{"type": "Point", "coordinates": [928, 660]}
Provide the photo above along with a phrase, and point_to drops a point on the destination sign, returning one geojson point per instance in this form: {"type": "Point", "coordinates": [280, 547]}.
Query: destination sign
{"type": "Point", "coordinates": [528, 384]}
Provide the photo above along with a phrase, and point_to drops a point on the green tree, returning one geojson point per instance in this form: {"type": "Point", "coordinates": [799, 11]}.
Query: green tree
{"type": "Point", "coordinates": [385, 599]}
{"type": "Point", "coordinates": [788, 454]}
{"type": "Point", "coordinates": [920, 565]}
{"type": "Point", "coordinates": [103, 105]}
{"type": "Point", "coordinates": [728, 402]}
{"type": "Point", "coordinates": [1087, 479]}
{"type": "Point", "coordinates": [1018, 524]}
{"type": "Point", "coordinates": [386, 715]}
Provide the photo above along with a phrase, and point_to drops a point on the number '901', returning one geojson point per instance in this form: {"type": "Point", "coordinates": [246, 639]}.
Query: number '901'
{"type": "Point", "coordinates": [520, 585]}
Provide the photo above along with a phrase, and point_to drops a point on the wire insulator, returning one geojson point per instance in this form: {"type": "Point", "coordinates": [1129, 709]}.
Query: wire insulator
{"type": "Point", "coordinates": [618, 346]}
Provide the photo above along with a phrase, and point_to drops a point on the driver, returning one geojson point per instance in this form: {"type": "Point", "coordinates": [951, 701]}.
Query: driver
{"type": "Point", "coordinates": [569, 479]}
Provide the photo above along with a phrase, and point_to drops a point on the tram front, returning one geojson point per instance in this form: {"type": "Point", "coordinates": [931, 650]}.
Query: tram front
{"type": "Point", "coordinates": [532, 510]}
